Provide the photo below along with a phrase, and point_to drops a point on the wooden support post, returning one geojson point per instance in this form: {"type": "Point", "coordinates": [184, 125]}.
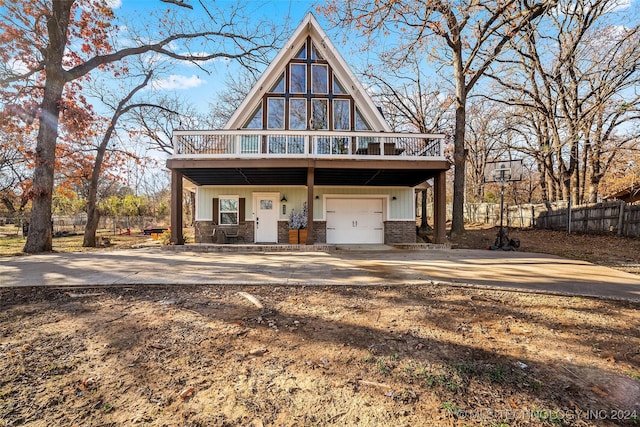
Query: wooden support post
{"type": "Point", "coordinates": [440, 208]}
{"type": "Point", "coordinates": [310, 181]}
{"type": "Point", "coordinates": [176, 208]}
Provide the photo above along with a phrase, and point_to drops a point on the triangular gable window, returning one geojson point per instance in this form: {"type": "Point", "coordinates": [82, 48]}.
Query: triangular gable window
{"type": "Point", "coordinates": [338, 89]}
{"type": "Point", "coordinates": [308, 95]}
{"type": "Point", "coordinates": [361, 123]}
{"type": "Point", "coordinates": [279, 86]}
{"type": "Point", "coordinates": [314, 53]}
{"type": "Point", "coordinates": [302, 53]}
{"type": "Point", "coordinates": [256, 120]}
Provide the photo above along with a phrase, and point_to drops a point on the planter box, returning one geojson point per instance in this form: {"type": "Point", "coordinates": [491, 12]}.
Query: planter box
{"type": "Point", "coordinates": [298, 237]}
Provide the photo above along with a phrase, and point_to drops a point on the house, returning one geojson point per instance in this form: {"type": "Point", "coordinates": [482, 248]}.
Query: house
{"type": "Point", "coordinates": [307, 135]}
{"type": "Point", "coordinates": [629, 194]}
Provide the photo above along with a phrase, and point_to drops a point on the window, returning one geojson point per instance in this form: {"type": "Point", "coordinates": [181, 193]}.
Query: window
{"type": "Point", "coordinates": [338, 89]}
{"type": "Point", "coordinates": [266, 205]}
{"type": "Point", "coordinates": [298, 114]}
{"type": "Point", "coordinates": [319, 79]}
{"type": "Point", "coordinates": [314, 52]}
{"type": "Point", "coordinates": [256, 120]}
{"type": "Point", "coordinates": [361, 123]}
{"type": "Point", "coordinates": [279, 86]}
{"type": "Point", "coordinates": [341, 114]}
{"type": "Point", "coordinates": [228, 210]}
{"type": "Point", "coordinates": [319, 114]}
{"type": "Point", "coordinates": [307, 95]}
{"type": "Point", "coordinates": [275, 113]}
{"type": "Point", "coordinates": [298, 78]}
{"type": "Point", "coordinates": [302, 53]}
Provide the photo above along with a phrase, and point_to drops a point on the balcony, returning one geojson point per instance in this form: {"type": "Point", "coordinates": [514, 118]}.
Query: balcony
{"type": "Point", "coordinates": [252, 144]}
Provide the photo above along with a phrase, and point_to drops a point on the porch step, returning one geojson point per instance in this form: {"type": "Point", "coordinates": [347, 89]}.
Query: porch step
{"type": "Point", "coordinates": [422, 246]}
{"type": "Point", "coordinates": [212, 247]}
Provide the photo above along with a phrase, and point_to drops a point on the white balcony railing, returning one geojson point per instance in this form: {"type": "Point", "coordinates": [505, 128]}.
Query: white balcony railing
{"type": "Point", "coordinates": [317, 144]}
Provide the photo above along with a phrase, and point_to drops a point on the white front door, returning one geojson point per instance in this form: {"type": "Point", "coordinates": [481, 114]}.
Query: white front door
{"type": "Point", "coordinates": [355, 221]}
{"type": "Point", "coordinates": [266, 210]}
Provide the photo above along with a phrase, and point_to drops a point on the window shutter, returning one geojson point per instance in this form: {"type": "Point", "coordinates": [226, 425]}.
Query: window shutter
{"type": "Point", "coordinates": [241, 213]}
{"type": "Point", "coordinates": [216, 208]}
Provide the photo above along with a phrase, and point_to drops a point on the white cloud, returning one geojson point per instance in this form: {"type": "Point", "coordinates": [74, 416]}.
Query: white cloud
{"type": "Point", "coordinates": [178, 82]}
{"type": "Point", "coordinates": [114, 4]}
{"type": "Point", "coordinates": [620, 5]}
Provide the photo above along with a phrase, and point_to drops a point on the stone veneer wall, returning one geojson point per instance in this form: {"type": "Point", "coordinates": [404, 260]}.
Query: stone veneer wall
{"type": "Point", "coordinates": [320, 231]}
{"type": "Point", "coordinates": [399, 232]}
{"type": "Point", "coordinates": [283, 232]}
{"type": "Point", "coordinates": [204, 230]}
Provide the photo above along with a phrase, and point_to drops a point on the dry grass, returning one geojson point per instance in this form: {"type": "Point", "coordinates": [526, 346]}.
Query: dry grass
{"type": "Point", "coordinates": [12, 242]}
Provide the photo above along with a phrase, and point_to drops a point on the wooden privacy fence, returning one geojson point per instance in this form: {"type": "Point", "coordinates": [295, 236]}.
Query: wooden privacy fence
{"type": "Point", "coordinates": [609, 217]}
{"type": "Point", "coordinates": [615, 217]}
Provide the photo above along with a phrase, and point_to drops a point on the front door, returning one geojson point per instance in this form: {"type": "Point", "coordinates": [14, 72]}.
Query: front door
{"type": "Point", "coordinates": [266, 209]}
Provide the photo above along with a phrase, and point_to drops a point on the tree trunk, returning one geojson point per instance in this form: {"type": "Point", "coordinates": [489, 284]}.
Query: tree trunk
{"type": "Point", "coordinates": [459, 152]}
{"type": "Point", "coordinates": [423, 211]}
{"type": "Point", "coordinates": [192, 200]}
{"type": "Point", "coordinates": [40, 236]}
{"type": "Point", "coordinates": [89, 240]}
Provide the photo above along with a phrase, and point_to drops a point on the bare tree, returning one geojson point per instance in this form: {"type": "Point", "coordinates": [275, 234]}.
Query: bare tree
{"type": "Point", "coordinates": [576, 77]}
{"type": "Point", "coordinates": [45, 38]}
{"type": "Point", "coordinates": [472, 34]}
{"type": "Point", "coordinates": [488, 137]}
{"type": "Point", "coordinates": [407, 97]}
{"type": "Point", "coordinates": [237, 87]}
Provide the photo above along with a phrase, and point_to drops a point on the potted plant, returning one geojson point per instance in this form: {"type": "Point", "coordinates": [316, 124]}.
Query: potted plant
{"type": "Point", "coordinates": [298, 226]}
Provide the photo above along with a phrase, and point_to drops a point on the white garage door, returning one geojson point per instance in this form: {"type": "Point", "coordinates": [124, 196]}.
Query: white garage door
{"type": "Point", "coordinates": [354, 221]}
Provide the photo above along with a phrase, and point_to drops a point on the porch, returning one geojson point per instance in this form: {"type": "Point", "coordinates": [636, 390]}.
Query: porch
{"type": "Point", "coordinates": [248, 144]}
{"type": "Point", "coordinates": [311, 159]}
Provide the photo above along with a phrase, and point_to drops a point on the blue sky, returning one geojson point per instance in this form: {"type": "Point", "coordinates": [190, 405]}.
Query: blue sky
{"type": "Point", "coordinates": [200, 88]}
{"type": "Point", "coordinates": [196, 85]}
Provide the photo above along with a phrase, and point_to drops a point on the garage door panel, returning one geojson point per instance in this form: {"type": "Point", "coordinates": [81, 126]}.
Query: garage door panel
{"type": "Point", "coordinates": [355, 221]}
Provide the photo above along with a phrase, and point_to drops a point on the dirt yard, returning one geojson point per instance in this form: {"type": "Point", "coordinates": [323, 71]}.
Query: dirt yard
{"type": "Point", "coordinates": [308, 356]}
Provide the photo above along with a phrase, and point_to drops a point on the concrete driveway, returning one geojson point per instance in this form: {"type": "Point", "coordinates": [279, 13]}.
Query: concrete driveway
{"type": "Point", "coordinates": [494, 269]}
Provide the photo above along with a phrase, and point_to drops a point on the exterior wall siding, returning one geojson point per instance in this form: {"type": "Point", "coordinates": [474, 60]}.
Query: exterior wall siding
{"type": "Point", "coordinates": [399, 214]}
{"type": "Point", "coordinates": [403, 208]}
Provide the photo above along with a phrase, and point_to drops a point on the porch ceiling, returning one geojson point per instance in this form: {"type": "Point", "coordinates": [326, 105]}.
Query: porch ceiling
{"type": "Point", "coordinates": [298, 176]}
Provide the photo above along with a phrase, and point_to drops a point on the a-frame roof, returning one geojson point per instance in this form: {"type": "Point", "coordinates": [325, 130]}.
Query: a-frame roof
{"type": "Point", "coordinates": [309, 27]}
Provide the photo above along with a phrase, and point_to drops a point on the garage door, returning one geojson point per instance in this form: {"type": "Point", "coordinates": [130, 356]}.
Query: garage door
{"type": "Point", "coordinates": [354, 221]}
